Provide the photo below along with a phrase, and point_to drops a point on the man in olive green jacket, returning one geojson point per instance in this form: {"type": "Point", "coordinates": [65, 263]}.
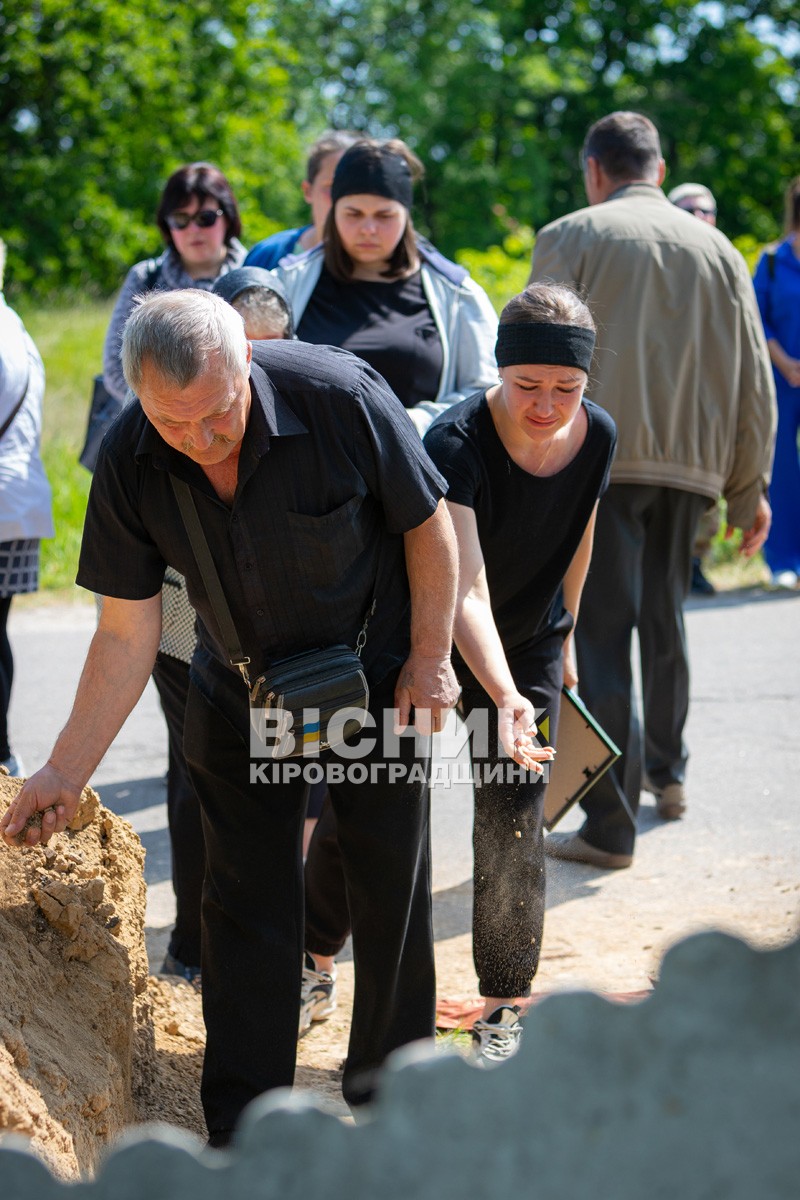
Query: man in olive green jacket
{"type": "Point", "coordinates": [682, 366]}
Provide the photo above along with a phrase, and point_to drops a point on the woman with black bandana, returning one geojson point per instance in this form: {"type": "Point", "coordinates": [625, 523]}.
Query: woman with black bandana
{"type": "Point", "coordinates": [377, 289]}
{"type": "Point", "coordinates": [526, 462]}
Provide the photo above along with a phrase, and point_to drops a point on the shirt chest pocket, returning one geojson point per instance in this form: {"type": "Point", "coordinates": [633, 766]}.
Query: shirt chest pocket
{"type": "Point", "coordinates": [333, 549]}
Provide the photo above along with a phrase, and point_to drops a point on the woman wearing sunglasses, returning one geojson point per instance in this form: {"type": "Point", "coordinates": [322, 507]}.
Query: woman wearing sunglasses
{"type": "Point", "coordinates": [199, 221]}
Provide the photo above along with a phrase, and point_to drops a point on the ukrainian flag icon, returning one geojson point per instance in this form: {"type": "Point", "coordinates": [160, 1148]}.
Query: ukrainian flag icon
{"type": "Point", "coordinates": [311, 737]}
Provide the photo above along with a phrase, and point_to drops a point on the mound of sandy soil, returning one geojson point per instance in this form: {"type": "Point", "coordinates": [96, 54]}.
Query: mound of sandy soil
{"type": "Point", "coordinates": [88, 1043]}
{"type": "Point", "coordinates": [77, 1043]}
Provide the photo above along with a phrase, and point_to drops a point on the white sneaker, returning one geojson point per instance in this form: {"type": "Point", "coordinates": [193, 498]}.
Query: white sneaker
{"type": "Point", "coordinates": [497, 1037]}
{"type": "Point", "coordinates": [786, 580]}
{"type": "Point", "coordinates": [317, 995]}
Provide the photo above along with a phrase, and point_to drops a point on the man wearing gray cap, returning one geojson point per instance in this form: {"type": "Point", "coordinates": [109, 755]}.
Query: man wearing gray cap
{"type": "Point", "coordinates": [695, 198]}
{"type": "Point", "coordinates": [261, 301]}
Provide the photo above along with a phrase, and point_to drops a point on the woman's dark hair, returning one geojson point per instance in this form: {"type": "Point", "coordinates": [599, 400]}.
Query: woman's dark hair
{"type": "Point", "coordinates": [200, 181]}
{"type": "Point", "coordinates": [792, 206]}
{"type": "Point", "coordinates": [548, 304]}
{"type": "Point", "coordinates": [338, 261]}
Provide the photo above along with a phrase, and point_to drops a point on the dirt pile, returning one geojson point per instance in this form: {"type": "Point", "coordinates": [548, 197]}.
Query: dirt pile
{"type": "Point", "coordinates": [77, 1043]}
{"type": "Point", "coordinates": [89, 1044]}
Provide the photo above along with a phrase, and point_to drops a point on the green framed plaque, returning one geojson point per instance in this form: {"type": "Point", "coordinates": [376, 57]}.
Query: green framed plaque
{"type": "Point", "coordinates": [585, 752]}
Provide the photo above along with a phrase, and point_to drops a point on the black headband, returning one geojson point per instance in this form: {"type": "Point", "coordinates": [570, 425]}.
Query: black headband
{"type": "Point", "coordinates": [371, 171]}
{"type": "Point", "coordinates": [553, 345]}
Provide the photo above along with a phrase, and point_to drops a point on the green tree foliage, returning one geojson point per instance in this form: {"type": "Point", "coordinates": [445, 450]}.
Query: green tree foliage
{"type": "Point", "coordinates": [100, 101]}
{"type": "Point", "coordinates": [496, 98]}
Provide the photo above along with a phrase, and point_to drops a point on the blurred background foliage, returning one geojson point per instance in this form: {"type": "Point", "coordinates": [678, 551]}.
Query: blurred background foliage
{"type": "Point", "coordinates": [100, 101]}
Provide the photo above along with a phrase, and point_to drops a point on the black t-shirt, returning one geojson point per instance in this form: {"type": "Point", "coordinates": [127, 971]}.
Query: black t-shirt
{"type": "Point", "coordinates": [388, 324]}
{"type": "Point", "coordinates": [331, 474]}
{"type": "Point", "coordinates": [529, 526]}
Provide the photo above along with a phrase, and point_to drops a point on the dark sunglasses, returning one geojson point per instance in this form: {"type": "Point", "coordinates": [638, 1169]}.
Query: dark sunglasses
{"type": "Point", "coordinates": [204, 218]}
{"type": "Point", "coordinates": [697, 209]}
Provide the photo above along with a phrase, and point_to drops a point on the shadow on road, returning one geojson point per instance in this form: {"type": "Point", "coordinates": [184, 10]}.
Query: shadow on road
{"type": "Point", "coordinates": [132, 795]}
{"type": "Point", "coordinates": [737, 596]}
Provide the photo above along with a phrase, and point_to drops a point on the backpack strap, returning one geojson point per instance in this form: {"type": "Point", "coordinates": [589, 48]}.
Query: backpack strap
{"type": "Point", "coordinates": [10, 418]}
{"type": "Point", "coordinates": [771, 264]}
{"type": "Point", "coordinates": [452, 271]}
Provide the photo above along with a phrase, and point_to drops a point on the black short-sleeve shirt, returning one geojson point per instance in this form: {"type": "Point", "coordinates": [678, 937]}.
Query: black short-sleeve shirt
{"type": "Point", "coordinates": [331, 474]}
{"type": "Point", "coordinates": [529, 526]}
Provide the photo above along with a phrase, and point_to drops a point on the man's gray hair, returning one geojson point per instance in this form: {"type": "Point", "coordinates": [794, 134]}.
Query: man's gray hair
{"type": "Point", "coordinates": [176, 333]}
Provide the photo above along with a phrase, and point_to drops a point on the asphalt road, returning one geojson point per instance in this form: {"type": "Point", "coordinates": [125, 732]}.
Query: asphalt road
{"type": "Point", "coordinates": [743, 732]}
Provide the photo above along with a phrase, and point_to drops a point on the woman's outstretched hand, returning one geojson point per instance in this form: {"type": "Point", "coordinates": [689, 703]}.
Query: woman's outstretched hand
{"type": "Point", "coordinates": [517, 730]}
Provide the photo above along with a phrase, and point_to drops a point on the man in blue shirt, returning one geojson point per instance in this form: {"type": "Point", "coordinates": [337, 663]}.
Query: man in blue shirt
{"type": "Point", "coordinates": [320, 166]}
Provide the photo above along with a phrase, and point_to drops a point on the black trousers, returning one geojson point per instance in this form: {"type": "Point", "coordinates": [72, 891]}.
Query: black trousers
{"type": "Point", "coordinates": [638, 579]}
{"type": "Point", "coordinates": [327, 910]}
{"type": "Point", "coordinates": [508, 845]}
{"type": "Point", "coordinates": [253, 911]}
{"type": "Point", "coordinates": [171, 677]}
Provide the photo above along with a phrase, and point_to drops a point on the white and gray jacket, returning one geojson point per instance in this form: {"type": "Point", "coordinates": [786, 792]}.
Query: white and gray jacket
{"type": "Point", "coordinates": [462, 312]}
{"type": "Point", "coordinates": [25, 500]}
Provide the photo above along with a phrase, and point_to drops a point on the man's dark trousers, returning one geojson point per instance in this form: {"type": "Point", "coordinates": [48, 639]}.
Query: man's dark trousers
{"type": "Point", "coordinates": [253, 912]}
{"type": "Point", "coordinates": [638, 579]}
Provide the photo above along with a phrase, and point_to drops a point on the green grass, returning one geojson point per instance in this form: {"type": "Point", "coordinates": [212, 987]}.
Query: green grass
{"type": "Point", "coordinates": [726, 567]}
{"type": "Point", "coordinates": [70, 484]}
{"type": "Point", "coordinates": [70, 340]}
{"type": "Point", "coordinates": [454, 1039]}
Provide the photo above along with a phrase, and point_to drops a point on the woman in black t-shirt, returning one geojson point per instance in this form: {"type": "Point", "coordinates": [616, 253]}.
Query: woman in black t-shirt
{"type": "Point", "coordinates": [526, 462]}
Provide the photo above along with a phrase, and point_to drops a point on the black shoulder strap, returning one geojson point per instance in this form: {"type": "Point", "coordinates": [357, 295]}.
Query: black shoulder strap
{"type": "Point", "coordinates": [153, 272]}
{"type": "Point", "coordinates": [771, 264]}
{"type": "Point", "coordinates": [452, 271]}
{"type": "Point", "coordinates": [210, 576]}
{"type": "Point", "coordinates": [9, 421]}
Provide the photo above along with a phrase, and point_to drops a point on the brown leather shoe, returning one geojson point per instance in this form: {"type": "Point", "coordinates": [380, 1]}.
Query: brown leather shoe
{"type": "Point", "coordinates": [671, 802]}
{"type": "Point", "coordinates": [572, 848]}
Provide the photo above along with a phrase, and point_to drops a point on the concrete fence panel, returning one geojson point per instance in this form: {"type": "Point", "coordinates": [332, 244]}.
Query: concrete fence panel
{"type": "Point", "coordinates": [692, 1094]}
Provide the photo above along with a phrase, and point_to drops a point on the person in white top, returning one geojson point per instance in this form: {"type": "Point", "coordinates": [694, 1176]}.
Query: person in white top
{"type": "Point", "coordinates": [25, 500]}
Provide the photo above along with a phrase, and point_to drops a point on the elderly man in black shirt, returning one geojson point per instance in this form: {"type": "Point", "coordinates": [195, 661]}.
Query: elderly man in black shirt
{"type": "Point", "coordinates": [316, 498]}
